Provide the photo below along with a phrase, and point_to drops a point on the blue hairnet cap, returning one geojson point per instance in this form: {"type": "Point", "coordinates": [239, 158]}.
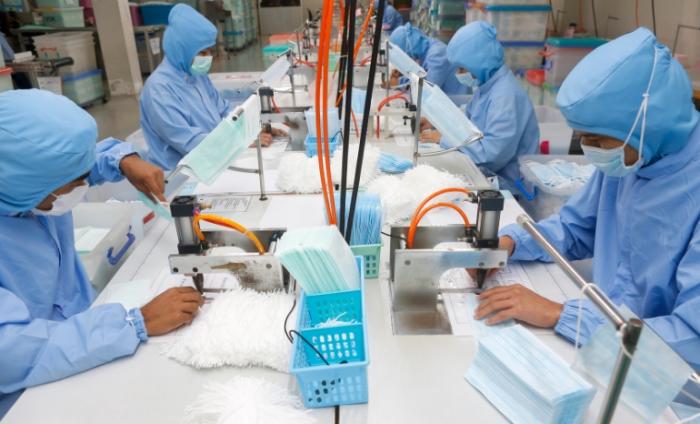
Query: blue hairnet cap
{"type": "Point", "coordinates": [46, 141]}
{"type": "Point", "coordinates": [187, 34]}
{"type": "Point", "coordinates": [411, 40]}
{"type": "Point", "coordinates": [475, 48]}
{"type": "Point", "coordinates": [603, 93]}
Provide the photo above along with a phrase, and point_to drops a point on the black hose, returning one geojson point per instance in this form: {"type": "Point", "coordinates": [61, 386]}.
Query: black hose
{"type": "Point", "coordinates": [365, 117]}
{"type": "Point", "coordinates": [343, 58]}
{"type": "Point", "coordinates": [653, 15]}
{"type": "Point", "coordinates": [347, 98]}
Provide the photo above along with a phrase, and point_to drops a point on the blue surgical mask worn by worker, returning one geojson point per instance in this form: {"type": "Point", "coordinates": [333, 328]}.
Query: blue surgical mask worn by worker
{"type": "Point", "coordinates": [201, 65]}
{"type": "Point", "coordinates": [64, 203]}
{"type": "Point", "coordinates": [467, 80]}
{"type": "Point", "coordinates": [612, 161]}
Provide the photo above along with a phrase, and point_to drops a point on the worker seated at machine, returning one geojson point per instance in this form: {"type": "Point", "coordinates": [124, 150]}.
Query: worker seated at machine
{"type": "Point", "coordinates": [48, 157]}
{"type": "Point", "coordinates": [179, 104]}
{"type": "Point", "coordinates": [499, 108]}
{"type": "Point", "coordinates": [638, 216]}
{"type": "Point", "coordinates": [429, 53]}
{"type": "Point", "coordinates": [392, 18]}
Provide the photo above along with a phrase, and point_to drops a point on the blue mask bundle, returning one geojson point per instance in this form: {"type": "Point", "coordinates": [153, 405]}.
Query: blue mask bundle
{"type": "Point", "coordinates": [403, 62]}
{"type": "Point", "coordinates": [452, 123]}
{"type": "Point", "coordinates": [392, 164]}
{"type": "Point", "coordinates": [526, 381]}
{"type": "Point", "coordinates": [368, 220]}
{"type": "Point", "coordinates": [319, 259]}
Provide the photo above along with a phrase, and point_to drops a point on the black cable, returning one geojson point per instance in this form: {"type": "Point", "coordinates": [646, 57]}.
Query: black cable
{"type": "Point", "coordinates": [653, 15]}
{"type": "Point", "coordinates": [365, 118]}
{"type": "Point", "coordinates": [310, 345]}
{"type": "Point", "coordinates": [347, 98]}
{"type": "Point", "coordinates": [337, 414]}
{"type": "Point", "coordinates": [343, 58]}
{"type": "Point", "coordinates": [286, 319]}
{"type": "Point", "coordinates": [595, 18]}
{"type": "Point", "coordinates": [393, 236]}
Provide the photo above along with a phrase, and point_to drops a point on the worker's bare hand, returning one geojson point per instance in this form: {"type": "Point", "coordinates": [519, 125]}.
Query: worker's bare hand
{"type": "Point", "coordinates": [517, 302]}
{"type": "Point", "coordinates": [504, 242]}
{"type": "Point", "coordinates": [171, 310]}
{"type": "Point", "coordinates": [430, 136]}
{"type": "Point", "coordinates": [425, 124]}
{"type": "Point", "coordinates": [145, 177]}
{"type": "Point", "coordinates": [276, 132]}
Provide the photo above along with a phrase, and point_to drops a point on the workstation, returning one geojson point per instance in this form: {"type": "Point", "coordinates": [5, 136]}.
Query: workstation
{"type": "Point", "coordinates": [318, 239]}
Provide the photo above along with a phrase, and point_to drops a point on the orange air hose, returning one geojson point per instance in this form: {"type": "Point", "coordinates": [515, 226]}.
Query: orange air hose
{"type": "Point", "coordinates": [329, 179]}
{"type": "Point", "coordinates": [319, 141]}
{"type": "Point", "coordinates": [229, 223]}
{"type": "Point", "coordinates": [384, 102]}
{"type": "Point", "coordinates": [413, 227]}
{"type": "Point", "coordinates": [417, 212]}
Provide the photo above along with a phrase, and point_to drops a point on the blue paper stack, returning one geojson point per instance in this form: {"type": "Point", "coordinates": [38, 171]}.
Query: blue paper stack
{"type": "Point", "coordinates": [526, 381]}
{"type": "Point", "coordinates": [367, 223]}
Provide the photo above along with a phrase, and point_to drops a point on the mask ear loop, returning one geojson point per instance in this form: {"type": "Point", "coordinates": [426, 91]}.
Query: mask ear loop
{"type": "Point", "coordinates": [578, 322]}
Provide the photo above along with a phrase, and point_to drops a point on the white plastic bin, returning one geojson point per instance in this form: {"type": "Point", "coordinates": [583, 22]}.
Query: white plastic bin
{"type": "Point", "coordinates": [77, 45]}
{"type": "Point", "coordinates": [562, 55]}
{"type": "Point", "coordinates": [5, 79]}
{"type": "Point", "coordinates": [84, 88]}
{"type": "Point", "coordinates": [539, 200]}
{"type": "Point", "coordinates": [514, 22]}
{"type": "Point", "coordinates": [522, 54]}
{"type": "Point", "coordinates": [553, 128]}
{"type": "Point", "coordinates": [124, 234]}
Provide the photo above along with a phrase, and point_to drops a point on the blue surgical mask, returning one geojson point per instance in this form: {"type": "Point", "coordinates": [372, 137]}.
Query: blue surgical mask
{"type": "Point", "coordinates": [201, 65]}
{"type": "Point", "coordinates": [612, 161]}
{"type": "Point", "coordinates": [467, 79]}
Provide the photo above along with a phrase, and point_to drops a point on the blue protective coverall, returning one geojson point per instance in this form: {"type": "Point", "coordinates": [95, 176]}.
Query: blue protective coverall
{"type": "Point", "coordinates": [392, 19]}
{"type": "Point", "coordinates": [178, 110]}
{"type": "Point", "coordinates": [431, 54]}
{"type": "Point", "coordinates": [500, 108]}
{"type": "Point", "coordinates": [642, 230]}
{"type": "Point", "coordinates": [47, 329]}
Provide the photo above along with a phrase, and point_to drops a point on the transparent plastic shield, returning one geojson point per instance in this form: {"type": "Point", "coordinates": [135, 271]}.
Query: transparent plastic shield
{"type": "Point", "coordinates": [276, 71]}
{"type": "Point", "coordinates": [403, 62]}
{"type": "Point", "coordinates": [452, 123]}
{"type": "Point", "coordinates": [655, 377]}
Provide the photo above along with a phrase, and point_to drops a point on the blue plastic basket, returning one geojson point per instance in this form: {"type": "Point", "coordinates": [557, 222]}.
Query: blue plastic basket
{"type": "Point", "coordinates": [155, 13]}
{"type": "Point", "coordinates": [344, 381]}
{"type": "Point", "coordinates": [311, 148]}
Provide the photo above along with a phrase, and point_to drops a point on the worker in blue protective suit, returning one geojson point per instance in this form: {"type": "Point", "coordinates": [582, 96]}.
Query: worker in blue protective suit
{"type": "Point", "coordinates": [639, 215]}
{"type": "Point", "coordinates": [499, 108]}
{"type": "Point", "coordinates": [179, 104]}
{"type": "Point", "coordinates": [48, 156]}
{"type": "Point", "coordinates": [431, 54]}
{"type": "Point", "coordinates": [392, 19]}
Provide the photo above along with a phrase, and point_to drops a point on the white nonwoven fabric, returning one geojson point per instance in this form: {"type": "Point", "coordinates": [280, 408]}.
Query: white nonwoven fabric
{"type": "Point", "coordinates": [401, 195]}
{"type": "Point", "coordinates": [244, 400]}
{"type": "Point", "coordinates": [241, 328]}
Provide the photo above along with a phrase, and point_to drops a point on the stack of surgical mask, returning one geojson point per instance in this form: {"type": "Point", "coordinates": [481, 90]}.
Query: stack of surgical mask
{"type": "Point", "coordinates": [526, 381]}
{"type": "Point", "coordinates": [560, 174]}
{"type": "Point", "coordinates": [403, 62]}
{"type": "Point", "coordinates": [319, 259]}
{"type": "Point", "coordinates": [452, 123]}
{"type": "Point", "coordinates": [392, 164]}
{"type": "Point", "coordinates": [220, 148]}
{"type": "Point", "coordinates": [368, 219]}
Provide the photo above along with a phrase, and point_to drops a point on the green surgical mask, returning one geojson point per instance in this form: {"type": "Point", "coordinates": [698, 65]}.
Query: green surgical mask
{"type": "Point", "coordinates": [201, 65]}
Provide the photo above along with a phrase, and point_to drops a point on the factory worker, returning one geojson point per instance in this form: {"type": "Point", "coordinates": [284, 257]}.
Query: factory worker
{"type": "Point", "coordinates": [48, 156]}
{"type": "Point", "coordinates": [429, 53]}
{"type": "Point", "coordinates": [638, 217]}
{"type": "Point", "coordinates": [179, 104]}
{"type": "Point", "coordinates": [392, 19]}
{"type": "Point", "coordinates": [500, 108]}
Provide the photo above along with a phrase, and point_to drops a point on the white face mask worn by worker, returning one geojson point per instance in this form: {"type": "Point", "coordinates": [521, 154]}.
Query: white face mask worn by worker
{"type": "Point", "coordinates": [612, 161]}
{"type": "Point", "coordinates": [64, 203]}
{"type": "Point", "coordinates": [467, 80]}
{"type": "Point", "coordinates": [201, 65]}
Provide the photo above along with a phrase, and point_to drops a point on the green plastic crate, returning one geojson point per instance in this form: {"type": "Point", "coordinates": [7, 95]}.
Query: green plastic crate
{"type": "Point", "coordinates": [64, 18]}
{"type": "Point", "coordinates": [58, 4]}
{"type": "Point", "coordinates": [371, 254]}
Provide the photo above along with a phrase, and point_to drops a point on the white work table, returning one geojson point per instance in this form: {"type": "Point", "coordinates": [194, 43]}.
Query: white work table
{"type": "Point", "coordinates": [412, 378]}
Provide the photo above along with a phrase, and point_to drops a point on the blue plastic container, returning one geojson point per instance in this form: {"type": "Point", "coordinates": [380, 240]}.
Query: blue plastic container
{"type": "Point", "coordinates": [155, 13]}
{"type": "Point", "coordinates": [312, 148]}
{"type": "Point", "coordinates": [344, 381]}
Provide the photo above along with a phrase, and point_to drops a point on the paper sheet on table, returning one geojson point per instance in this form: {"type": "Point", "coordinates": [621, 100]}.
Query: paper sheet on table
{"type": "Point", "coordinates": [87, 238]}
{"type": "Point", "coordinates": [294, 212]}
{"type": "Point", "coordinates": [460, 306]}
{"type": "Point", "coordinates": [271, 156]}
{"type": "Point", "coordinates": [239, 182]}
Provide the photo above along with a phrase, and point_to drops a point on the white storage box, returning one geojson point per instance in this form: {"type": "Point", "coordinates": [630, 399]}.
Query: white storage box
{"type": "Point", "coordinates": [562, 55]}
{"type": "Point", "coordinates": [104, 260]}
{"type": "Point", "coordinates": [64, 18]}
{"type": "Point", "coordinates": [77, 45]}
{"type": "Point", "coordinates": [84, 88]}
{"type": "Point", "coordinates": [553, 128]}
{"type": "Point", "coordinates": [522, 54]}
{"type": "Point", "coordinates": [5, 79]}
{"type": "Point", "coordinates": [538, 199]}
{"type": "Point", "coordinates": [514, 22]}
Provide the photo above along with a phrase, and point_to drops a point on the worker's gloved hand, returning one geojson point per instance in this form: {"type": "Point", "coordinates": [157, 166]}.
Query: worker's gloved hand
{"type": "Point", "coordinates": [430, 136]}
{"type": "Point", "coordinates": [520, 303]}
{"type": "Point", "coordinates": [504, 242]}
{"type": "Point", "coordinates": [146, 177]}
{"type": "Point", "coordinates": [171, 310]}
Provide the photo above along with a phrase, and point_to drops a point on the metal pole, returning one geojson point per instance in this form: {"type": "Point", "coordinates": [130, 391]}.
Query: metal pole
{"type": "Point", "coordinates": [594, 293]}
{"type": "Point", "coordinates": [416, 131]}
{"type": "Point", "coordinates": [261, 172]}
{"type": "Point", "coordinates": [630, 336]}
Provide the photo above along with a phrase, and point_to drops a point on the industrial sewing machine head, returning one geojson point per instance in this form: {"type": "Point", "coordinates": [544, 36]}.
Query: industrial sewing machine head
{"type": "Point", "coordinates": [415, 271]}
{"type": "Point", "coordinates": [224, 251]}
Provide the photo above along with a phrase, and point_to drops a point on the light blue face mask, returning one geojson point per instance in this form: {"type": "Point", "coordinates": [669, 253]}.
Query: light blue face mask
{"type": "Point", "coordinates": [612, 161]}
{"type": "Point", "coordinates": [467, 80]}
{"type": "Point", "coordinates": [201, 65]}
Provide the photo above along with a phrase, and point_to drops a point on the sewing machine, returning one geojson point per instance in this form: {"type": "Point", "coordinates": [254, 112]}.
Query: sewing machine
{"type": "Point", "coordinates": [415, 272]}
{"type": "Point", "coordinates": [224, 251]}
